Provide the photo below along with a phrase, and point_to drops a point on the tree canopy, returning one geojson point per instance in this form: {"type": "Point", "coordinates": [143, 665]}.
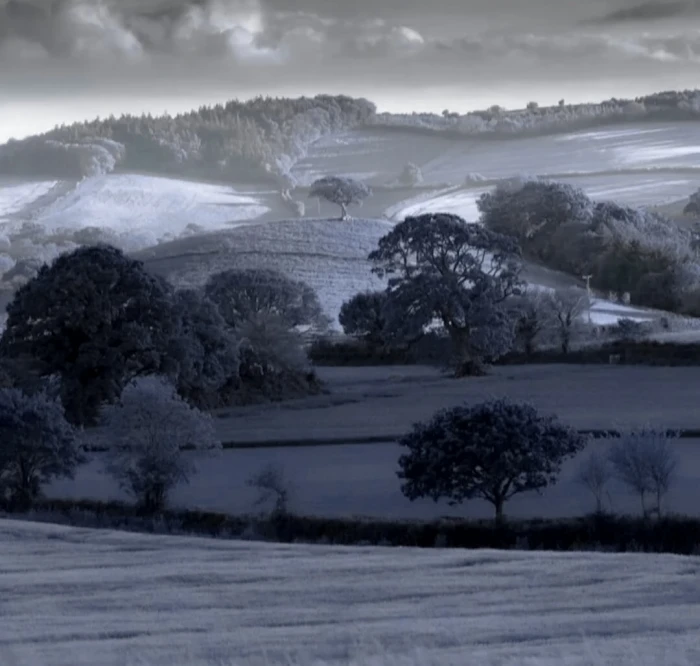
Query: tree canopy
{"type": "Point", "coordinates": [342, 191]}
{"type": "Point", "coordinates": [243, 294]}
{"type": "Point", "coordinates": [491, 451]}
{"type": "Point", "coordinates": [37, 445]}
{"type": "Point", "coordinates": [95, 318]}
{"type": "Point", "coordinates": [441, 268]}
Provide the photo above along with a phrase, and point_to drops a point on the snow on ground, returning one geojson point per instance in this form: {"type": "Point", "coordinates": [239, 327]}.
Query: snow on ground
{"type": "Point", "coordinates": [329, 255]}
{"type": "Point", "coordinates": [16, 195]}
{"type": "Point", "coordinates": [461, 202]}
{"type": "Point", "coordinates": [148, 206]}
{"type": "Point", "coordinates": [360, 479]}
{"type": "Point", "coordinates": [77, 597]}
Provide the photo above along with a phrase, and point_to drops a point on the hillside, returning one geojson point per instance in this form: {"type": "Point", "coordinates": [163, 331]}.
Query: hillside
{"type": "Point", "coordinates": [329, 255]}
{"type": "Point", "coordinates": [73, 597]}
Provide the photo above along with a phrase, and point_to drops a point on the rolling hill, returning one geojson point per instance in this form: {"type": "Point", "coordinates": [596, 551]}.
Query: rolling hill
{"type": "Point", "coordinates": [186, 229]}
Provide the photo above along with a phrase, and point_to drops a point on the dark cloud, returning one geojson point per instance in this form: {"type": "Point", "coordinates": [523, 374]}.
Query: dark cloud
{"type": "Point", "coordinates": [651, 11]}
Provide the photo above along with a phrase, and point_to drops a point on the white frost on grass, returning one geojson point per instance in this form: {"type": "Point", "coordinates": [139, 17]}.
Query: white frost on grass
{"type": "Point", "coordinates": [460, 202]}
{"type": "Point", "coordinates": [329, 255]}
{"type": "Point", "coordinates": [14, 197]}
{"type": "Point", "coordinates": [80, 597]}
{"type": "Point", "coordinates": [148, 206]}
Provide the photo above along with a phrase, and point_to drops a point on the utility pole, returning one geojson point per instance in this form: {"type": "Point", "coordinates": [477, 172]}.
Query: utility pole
{"type": "Point", "coordinates": [587, 278]}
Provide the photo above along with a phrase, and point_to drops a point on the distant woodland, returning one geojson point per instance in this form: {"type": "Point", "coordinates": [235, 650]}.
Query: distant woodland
{"type": "Point", "coordinates": [262, 139]}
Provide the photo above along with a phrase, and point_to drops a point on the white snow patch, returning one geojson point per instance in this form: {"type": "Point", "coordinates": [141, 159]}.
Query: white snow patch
{"type": "Point", "coordinates": [16, 196]}
{"type": "Point", "coordinates": [148, 207]}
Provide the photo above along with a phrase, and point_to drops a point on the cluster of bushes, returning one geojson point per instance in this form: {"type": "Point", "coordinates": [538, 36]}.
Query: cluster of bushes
{"type": "Point", "coordinates": [625, 352]}
{"type": "Point", "coordinates": [496, 121]}
{"type": "Point", "coordinates": [242, 141]}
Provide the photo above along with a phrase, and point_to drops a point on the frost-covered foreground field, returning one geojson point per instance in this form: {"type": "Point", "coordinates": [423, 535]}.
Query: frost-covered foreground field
{"type": "Point", "coordinates": [77, 597]}
{"type": "Point", "coordinates": [360, 479]}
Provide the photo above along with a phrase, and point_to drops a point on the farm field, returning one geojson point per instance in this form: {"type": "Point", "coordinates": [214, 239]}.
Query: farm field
{"type": "Point", "coordinates": [360, 479]}
{"type": "Point", "coordinates": [397, 396]}
{"type": "Point", "coordinates": [79, 597]}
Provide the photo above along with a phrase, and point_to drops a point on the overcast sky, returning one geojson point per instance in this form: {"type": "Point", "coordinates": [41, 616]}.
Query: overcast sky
{"type": "Point", "coordinates": [66, 60]}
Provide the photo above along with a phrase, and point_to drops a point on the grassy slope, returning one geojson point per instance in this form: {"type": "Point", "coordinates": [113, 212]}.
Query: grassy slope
{"type": "Point", "coordinates": [76, 597]}
{"type": "Point", "coordinates": [329, 255]}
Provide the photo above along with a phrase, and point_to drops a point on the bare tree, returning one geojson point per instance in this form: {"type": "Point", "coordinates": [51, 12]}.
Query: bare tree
{"type": "Point", "coordinates": [595, 473]}
{"type": "Point", "coordinates": [148, 431]}
{"type": "Point", "coordinates": [532, 317]}
{"type": "Point", "coordinates": [566, 306]}
{"type": "Point", "coordinates": [272, 484]}
{"type": "Point", "coordinates": [644, 460]}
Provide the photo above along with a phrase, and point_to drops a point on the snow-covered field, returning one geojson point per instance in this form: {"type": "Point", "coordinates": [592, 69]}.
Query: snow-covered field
{"type": "Point", "coordinates": [658, 157]}
{"type": "Point", "coordinates": [360, 479]}
{"type": "Point", "coordinates": [15, 195]}
{"type": "Point", "coordinates": [77, 597]}
{"type": "Point", "coordinates": [156, 207]}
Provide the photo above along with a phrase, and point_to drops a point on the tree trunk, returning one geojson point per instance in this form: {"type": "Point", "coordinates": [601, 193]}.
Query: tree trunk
{"type": "Point", "coordinates": [644, 506]}
{"type": "Point", "coordinates": [565, 340]}
{"type": "Point", "coordinates": [498, 505]}
{"type": "Point", "coordinates": [466, 363]}
{"type": "Point", "coordinates": [344, 215]}
{"type": "Point", "coordinates": [529, 347]}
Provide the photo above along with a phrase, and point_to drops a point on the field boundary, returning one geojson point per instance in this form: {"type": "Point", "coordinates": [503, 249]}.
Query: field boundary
{"type": "Point", "coordinates": [689, 433]}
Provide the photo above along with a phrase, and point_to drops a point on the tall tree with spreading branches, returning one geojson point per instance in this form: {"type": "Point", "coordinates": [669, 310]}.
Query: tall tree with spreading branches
{"type": "Point", "coordinates": [97, 319]}
{"type": "Point", "coordinates": [491, 451]}
{"type": "Point", "coordinates": [440, 267]}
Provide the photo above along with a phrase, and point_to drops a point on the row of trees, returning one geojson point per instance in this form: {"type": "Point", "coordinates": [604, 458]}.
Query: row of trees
{"type": "Point", "coordinates": [497, 121]}
{"type": "Point", "coordinates": [626, 250]}
{"type": "Point", "coordinates": [94, 319]}
{"type": "Point", "coordinates": [257, 139]}
{"type": "Point", "coordinates": [99, 352]}
{"type": "Point", "coordinates": [464, 281]}
{"type": "Point", "coordinates": [498, 449]}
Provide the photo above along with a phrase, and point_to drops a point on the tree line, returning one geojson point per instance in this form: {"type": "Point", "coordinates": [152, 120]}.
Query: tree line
{"type": "Point", "coordinates": [243, 141]}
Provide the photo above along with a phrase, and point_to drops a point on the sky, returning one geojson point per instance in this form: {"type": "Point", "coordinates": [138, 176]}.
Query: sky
{"type": "Point", "coordinates": [68, 60]}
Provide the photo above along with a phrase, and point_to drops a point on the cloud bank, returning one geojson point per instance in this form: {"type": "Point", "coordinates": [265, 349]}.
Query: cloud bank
{"type": "Point", "coordinates": [138, 49]}
{"type": "Point", "coordinates": [652, 11]}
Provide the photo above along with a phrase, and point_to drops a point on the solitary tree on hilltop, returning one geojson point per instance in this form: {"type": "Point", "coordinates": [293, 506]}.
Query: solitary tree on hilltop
{"type": "Point", "coordinates": [490, 451]}
{"type": "Point", "coordinates": [340, 191]}
{"type": "Point", "coordinates": [441, 268]}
